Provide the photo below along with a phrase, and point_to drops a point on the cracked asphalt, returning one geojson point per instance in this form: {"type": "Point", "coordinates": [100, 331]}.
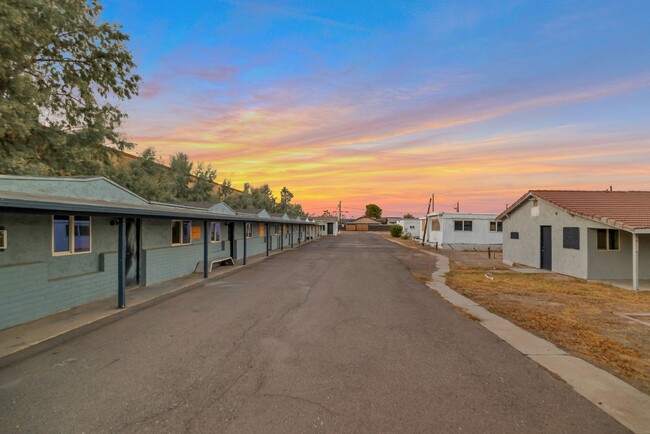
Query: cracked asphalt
{"type": "Point", "coordinates": [336, 336]}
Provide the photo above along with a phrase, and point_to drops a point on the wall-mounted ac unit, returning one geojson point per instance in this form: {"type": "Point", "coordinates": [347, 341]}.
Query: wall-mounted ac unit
{"type": "Point", "coordinates": [3, 239]}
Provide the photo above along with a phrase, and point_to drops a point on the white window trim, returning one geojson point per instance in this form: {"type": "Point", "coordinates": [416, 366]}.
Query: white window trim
{"type": "Point", "coordinates": [248, 226]}
{"type": "Point", "coordinates": [463, 229]}
{"type": "Point", "coordinates": [181, 233]}
{"type": "Point", "coordinates": [496, 226]}
{"type": "Point", "coordinates": [212, 225]}
{"type": "Point", "coordinates": [607, 249]}
{"type": "Point", "coordinates": [71, 237]}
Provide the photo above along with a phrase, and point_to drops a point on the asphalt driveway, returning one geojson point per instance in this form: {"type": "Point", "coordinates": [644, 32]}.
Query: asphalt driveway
{"type": "Point", "coordinates": [336, 336]}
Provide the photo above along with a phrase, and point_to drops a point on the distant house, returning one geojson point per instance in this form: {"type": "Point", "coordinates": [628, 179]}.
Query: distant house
{"type": "Point", "coordinates": [602, 235]}
{"type": "Point", "coordinates": [463, 231]}
{"type": "Point", "coordinates": [411, 226]}
{"type": "Point", "coordinates": [364, 224]}
{"type": "Point", "coordinates": [392, 220]}
{"type": "Point", "coordinates": [327, 225]}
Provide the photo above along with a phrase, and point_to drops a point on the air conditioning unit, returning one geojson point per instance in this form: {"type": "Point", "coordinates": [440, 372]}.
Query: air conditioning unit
{"type": "Point", "coordinates": [3, 239]}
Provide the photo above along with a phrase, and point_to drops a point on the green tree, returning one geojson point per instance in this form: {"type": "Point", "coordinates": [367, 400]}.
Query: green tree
{"type": "Point", "coordinates": [203, 188]}
{"type": "Point", "coordinates": [373, 211]}
{"type": "Point", "coordinates": [226, 188]}
{"type": "Point", "coordinates": [180, 172]}
{"type": "Point", "coordinates": [408, 216]}
{"type": "Point", "coordinates": [285, 200]}
{"type": "Point", "coordinates": [396, 230]}
{"type": "Point", "coordinates": [59, 69]}
{"type": "Point", "coordinates": [146, 177]}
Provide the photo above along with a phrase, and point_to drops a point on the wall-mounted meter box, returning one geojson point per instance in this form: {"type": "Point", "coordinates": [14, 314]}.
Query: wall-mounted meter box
{"type": "Point", "coordinates": [3, 239]}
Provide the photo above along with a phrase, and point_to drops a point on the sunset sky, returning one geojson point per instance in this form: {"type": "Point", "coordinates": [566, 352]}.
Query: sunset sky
{"type": "Point", "coordinates": [388, 102]}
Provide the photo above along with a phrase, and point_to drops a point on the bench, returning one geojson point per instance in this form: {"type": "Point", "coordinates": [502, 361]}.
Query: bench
{"type": "Point", "coordinates": [211, 262]}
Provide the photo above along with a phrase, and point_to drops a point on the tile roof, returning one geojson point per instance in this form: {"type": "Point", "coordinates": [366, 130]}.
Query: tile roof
{"type": "Point", "coordinates": [626, 209]}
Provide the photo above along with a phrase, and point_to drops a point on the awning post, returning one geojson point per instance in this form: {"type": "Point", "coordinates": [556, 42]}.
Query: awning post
{"type": "Point", "coordinates": [266, 232]}
{"type": "Point", "coordinates": [245, 225]}
{"type": "Point", "coordinates": [635, 262]}
{"type": "Point", "coordinates": [206, 237]}
{"type": "Point", "coordinates": [121, 264]}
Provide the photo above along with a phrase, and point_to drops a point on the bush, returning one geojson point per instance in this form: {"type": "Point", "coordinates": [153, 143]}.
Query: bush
{"type": "Point", "coordinates": [396, 230]}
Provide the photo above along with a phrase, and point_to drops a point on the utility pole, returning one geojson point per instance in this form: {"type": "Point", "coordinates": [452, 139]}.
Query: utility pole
{"type": "Point", "coordinates": [457, 207]}
{"type": "Point", "coordinates": [426, 219]}
{"type": "Point", "coordinates": [339, 212]}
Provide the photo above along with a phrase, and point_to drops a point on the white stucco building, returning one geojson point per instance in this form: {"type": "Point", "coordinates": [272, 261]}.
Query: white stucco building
{"type": "Point", "coordinates": [601, 235]}
{"type": "Point", "coordinates": [463, 231]}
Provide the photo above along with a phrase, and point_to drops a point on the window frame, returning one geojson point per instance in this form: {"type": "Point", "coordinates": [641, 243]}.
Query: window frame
{"type": "Point", "coordinates": [248, 230]}
{"type": "Point", "coordinates": [498, 226]}
{"type": "Point", "coordinates": [71, 235]}
{"type": "Point", "coordinates": [463, 224]}
{"type": "Point", "coordinates": [608, 241]}
{"type": "Point", "coordinates": [182, 224]}
{"type": "Point", "coordinates": [213, 232]}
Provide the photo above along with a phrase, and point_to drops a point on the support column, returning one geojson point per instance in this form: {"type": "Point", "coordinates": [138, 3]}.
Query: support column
{"type": "Point", "coordinates": [268, 238]}
{"type": "Point", "coordinates": [635, 262]}
{"type": "Point", "coordinates": [291, 236]}
{"type": "Point", "coordinates": [282, 237]}
{"type": "Point", "coordinates": [299, 233]}
{"type": "Point", "coordinates": [245, 224]}
{"type": "Point", "coordinates": [121, 264]}
{"type": "Point", "coordinates": [206, 240]}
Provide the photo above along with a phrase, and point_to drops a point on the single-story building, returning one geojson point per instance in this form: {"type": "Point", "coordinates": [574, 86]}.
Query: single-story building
{"type": "Point", "coordinates": [462, 231]}
{"type": "Point", "coordinates": [327, 225]}
{"type": "Point", "coordinates": [68, 241]}
{"type": "Point", "coordinates": [600, 235]}
{"type": "Point", "coordinates": [365, 224]}
{"type": "Point", "coordinates": [411, 226]}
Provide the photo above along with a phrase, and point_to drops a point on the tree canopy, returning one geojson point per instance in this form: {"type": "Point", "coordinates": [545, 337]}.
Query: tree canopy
{"type": "Point", "coordinates": [60, 68]}
{"type": "Point", "coordinates": [408, 216]}
{"type": "Point", "coordinates": [373, 211]}
{"type": "Point", "coordinates": [262, 197]}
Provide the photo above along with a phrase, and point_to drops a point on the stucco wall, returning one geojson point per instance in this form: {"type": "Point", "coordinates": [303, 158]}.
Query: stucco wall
{"type": "Point", "coordinates": [100, 189]}
{"type": "Point", "coordinates": [35, 283]}
{"type": "Point", "coordinates": [617, 264]}
{"type": "Point", "coordinates": [161, 261]}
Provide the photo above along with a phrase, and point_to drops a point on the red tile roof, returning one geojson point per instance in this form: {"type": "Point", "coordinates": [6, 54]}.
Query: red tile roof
{"type": "Point", "coordinates": [626, 209]}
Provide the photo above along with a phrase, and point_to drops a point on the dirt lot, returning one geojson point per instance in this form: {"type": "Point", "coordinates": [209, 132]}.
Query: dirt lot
{"type": "Point", "coordinates": [576, 315]}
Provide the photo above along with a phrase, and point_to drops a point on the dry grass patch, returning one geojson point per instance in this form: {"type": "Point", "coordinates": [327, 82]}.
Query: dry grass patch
{"type": "Point", "coordinates": [576, 315]}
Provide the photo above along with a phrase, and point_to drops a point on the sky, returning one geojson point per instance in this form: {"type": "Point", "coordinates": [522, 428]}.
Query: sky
{"type": "Point", "coordinates": [389, 102]}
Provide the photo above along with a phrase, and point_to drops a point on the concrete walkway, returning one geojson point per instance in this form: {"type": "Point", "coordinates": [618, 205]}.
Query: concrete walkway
{"type": "Point", "coordinates": [620, 400]}
{"type": "Point", "coordinates": [24, 340]}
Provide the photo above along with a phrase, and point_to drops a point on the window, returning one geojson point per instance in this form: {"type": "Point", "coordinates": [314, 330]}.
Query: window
{"type": "Point", "coordinates": [70, 234]}
{"type": "Point", "coordinates": [608, 239]}
{"type": "Point", "coordinates": [215, 232]}
{"type": "Point", "coordinates": [571, 238]}
{"type": "Point", "coordinates": [249, 230]}
{"type": "Point", "coordinates": [514, 235]}
{"type": "Point", "coordinates": [181, 232]}
{"type": "Point", "coordinates": [496, 226]}
{"type": "Point", "coordinates": [276, 230]}
{"type": "Point", "coordinates": [262, 229]}
{"type": "Point", "coordinates": [463, 225]}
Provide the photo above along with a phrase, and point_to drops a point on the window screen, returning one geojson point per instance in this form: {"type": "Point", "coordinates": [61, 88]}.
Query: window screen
{"type": "Point", "coordinates": [514, 235]}
{"type": "Point", "coordinates": [571, 238]}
